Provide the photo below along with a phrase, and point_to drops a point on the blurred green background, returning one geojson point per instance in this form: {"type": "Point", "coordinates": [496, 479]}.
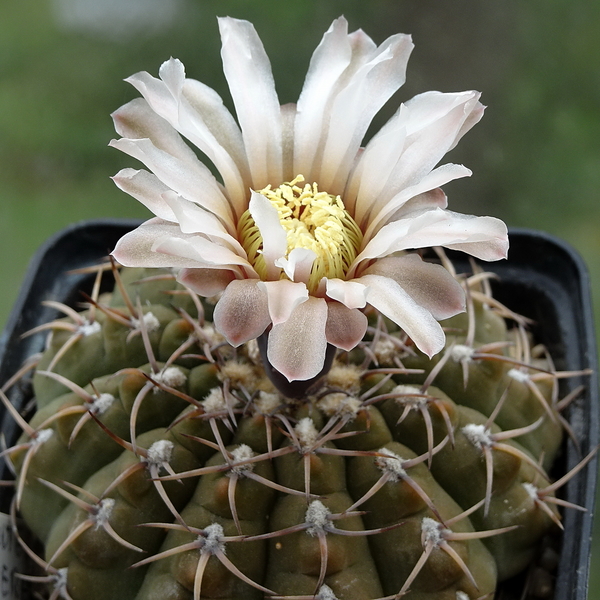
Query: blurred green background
{"type": "Point", "coordinates": [535, 156]}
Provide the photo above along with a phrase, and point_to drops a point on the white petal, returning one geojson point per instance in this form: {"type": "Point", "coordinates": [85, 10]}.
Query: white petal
{"type": "Point", "coordinates": [482, 237]}
{"type": "Point", "coordinates": [274, 238]}
{"type": "Point", "coordinates": [432, 123]}
{"type": "Point", "coordinates": [198, 113]}
{"type": "Point", "coordinates": [248, 72]}
{"type": "Point", "coordinates": [157, 92]}
{"type": "Point", "coordinates": [193, 181]}
{"type": "Point", "coordinates": [298, 265]}
{"type": "Point", "coordinates": [205, 120]}
{"type": "Point", "coordinates": [297, 347]}
{"type": "Point", "coordinates": [355, 106]}
{"type": "Point", "coordinates": [350, 293]}
{"type": "Point", "coordinates": [288, 117]}
{"type": "Point", "coordinates": [328, 62]}
{"type": "Point", "coordinates": [136, 120]}
{"type": "Point", "coordinates": [383, 214]}
{"type": "Point", "coordinates": [147, 189]}
{"type": "Point", "coordinates": [135, 249]}
{"type": "Point", "coordinates": [389, 298]}
{"type": "Point", "coordinates": [345, 327]}
{"type": "Point", "coordinates": [375, 165]}
{"type": "Point", "coordinates": [195, 219]}
{"type": "Point", "coordinates": [428, 284]}
{"type": "Point", "coordinates": [283, 297]}
{"type": "Point", "coordinates": [241, 314]}
{"type": "Point", "coordinates": [203, 251]}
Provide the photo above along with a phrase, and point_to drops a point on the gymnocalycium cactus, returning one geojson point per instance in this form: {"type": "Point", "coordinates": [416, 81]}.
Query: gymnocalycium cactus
{"type": "Point", "coordinates": [266, 406]}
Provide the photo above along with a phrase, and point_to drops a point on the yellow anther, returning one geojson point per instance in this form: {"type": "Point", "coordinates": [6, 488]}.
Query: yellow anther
{"type": "Point", "coordinates": [313, 220]}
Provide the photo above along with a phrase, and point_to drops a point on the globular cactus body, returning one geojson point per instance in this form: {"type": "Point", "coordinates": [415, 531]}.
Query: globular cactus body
{"type": "Point", "coordinates": [162, 464]}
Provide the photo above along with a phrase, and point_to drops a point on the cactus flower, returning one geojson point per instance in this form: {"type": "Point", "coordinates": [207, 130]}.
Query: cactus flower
{"type": "Point", "coordinates": [303, 228]}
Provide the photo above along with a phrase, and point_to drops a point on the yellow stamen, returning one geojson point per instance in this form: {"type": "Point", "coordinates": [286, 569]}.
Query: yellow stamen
{"type": "Point", "coordinates": [311, 219]}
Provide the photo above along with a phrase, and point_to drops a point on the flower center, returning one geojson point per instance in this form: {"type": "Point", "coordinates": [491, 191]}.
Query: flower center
{"type": "Point", "coordinates": [311, 219]}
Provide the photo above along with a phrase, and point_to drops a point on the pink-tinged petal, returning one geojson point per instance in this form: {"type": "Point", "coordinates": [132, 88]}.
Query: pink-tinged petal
{"type": "Point", "coordinates": [135, 249]}
{"type": "Point", "coordinates": [483, 237]}
{"type": "Point", "coordinates": [430, 285]}
{"type": "Point", "coordinates": [298, 265]}
{"type": "Point", "coordinates": [386, 296]}
{"type": "Point", "coordinates": [345, 327]}
{"type": "Point", "coordinates": [206, 282]}
{"type": "Point", "coordinates": [193, 180]}
{"type": "Point", "coordinates": [328, 62]}
{"type": "Point", "coordinates": [355, 106]}
{"type": "Point", "coordinates": [147, 189]}
{"type": "Point", "coordinates": [283, 297]}
{"type": "Point", "coordinates": [273, 235]}
{"type": "Point", "coordinates": [248, 72]}
{"type": "Point", "coordinates": [350, 293]}
{"type": "Point", "coordinates": [241, 314]}
{"type": "Point", "coordinates": [195, 219]}
{"type": "Point", "coordinates": [297, 347]}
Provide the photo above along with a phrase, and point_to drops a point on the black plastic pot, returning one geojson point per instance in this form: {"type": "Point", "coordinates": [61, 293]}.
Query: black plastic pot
{"type": "Point", "coordinates": [544, 279]}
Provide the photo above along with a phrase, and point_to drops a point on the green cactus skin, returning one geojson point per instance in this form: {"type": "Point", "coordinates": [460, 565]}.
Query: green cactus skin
{"type": "Point", "coordinates": [162, 464]}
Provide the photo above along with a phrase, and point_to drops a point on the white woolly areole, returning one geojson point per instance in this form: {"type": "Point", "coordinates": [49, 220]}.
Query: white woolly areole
{"type": "Point", "coordinates": [431, 531]}
{"type": "Point", "coordinates": [239, 373]}
{"type": "Point", "coordinates": [317, 516]}
{"type": "Point", "coordinates": [460, 353]}
{"type": "Point", "coordinates": [407, 396]}
{"type": "Point", "coordinates": [101, 403]}
{"type": "Point", "coordinates": [345, 377]}
{"type": "Point", "coordinates": [519, 375]}
{"type": "Point", "coordinates": [42, 436]}
{"type": "Point", "coordinates": [104, 510]}
{"type": "Point", "coordinates": [384, 350]}
{"type": "Point", "coordinates": [462, 596]}
{"type": "Point", "coordinates": [209, 332]}
{"type": "Point", "coordinates": [171, 376]}
{"type": "Point", "coordinates": [326, 593]}
{"type": "Point", "coordinates": [267, 402]}
{"type": "Point", "coordinates": [59, 580]}
{"type": "Point", "coordinates": [151, 322]}
{"type": "Point", "coordinates": [215, 401]}
{"type": "Point", "coordinates": [406, 390]}
{"type": "Point", "coordinates": [391, 464]}
{"type": "Point", "coordinates": [89, 328]}
{"type": "Point", "coordinates": [160, 452]}
{"type": "Point", "coordinates": [531, 490]}
{"type": "Point", "coordinates": [341, 404]}
{"type": "Point", "coordinates": [241, 453]}
{"type": "Point", "coordinates": [307, 432]}
{"type": "Point", "coordinates": [478, 435]}
{"type": "Point", "coordinates": [212, 540]}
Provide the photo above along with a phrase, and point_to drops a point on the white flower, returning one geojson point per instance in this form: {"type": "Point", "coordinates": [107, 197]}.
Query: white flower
{"type": "Point", "coordinates": [304, 227]}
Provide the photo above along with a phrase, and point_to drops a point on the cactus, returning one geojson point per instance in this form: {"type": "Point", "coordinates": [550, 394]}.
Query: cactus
{"type": "Point", "coordinates": [296, 407]}
{"type": "Point", "coordinates": [163, 463]}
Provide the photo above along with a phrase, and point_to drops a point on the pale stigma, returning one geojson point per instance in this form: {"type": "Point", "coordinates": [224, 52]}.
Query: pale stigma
{"type": "Point", "coordinates": [313, 220]}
